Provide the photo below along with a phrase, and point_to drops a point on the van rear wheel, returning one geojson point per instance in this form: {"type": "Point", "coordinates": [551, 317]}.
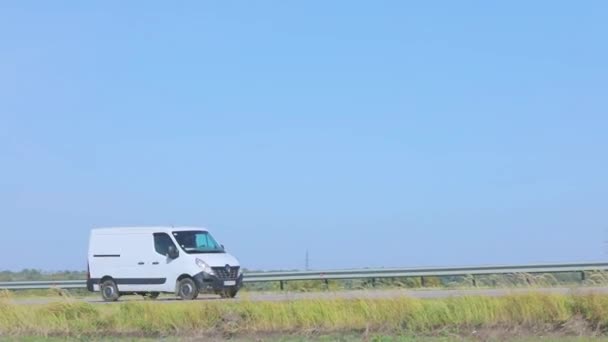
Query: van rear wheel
{"type": "Point", "coordinates": [109, 291]}
{"type": "Point", "coordinates": [187, 289]}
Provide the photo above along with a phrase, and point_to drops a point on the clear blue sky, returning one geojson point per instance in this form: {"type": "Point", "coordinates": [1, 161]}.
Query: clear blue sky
{"type": "Point", "coordinates": [373, 133]}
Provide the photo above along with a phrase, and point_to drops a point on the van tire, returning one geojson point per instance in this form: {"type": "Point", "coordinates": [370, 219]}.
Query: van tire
{"type": "Point", "coordinates": [109, 291]}
{"type": "Point", "coordinates": [187, 289]}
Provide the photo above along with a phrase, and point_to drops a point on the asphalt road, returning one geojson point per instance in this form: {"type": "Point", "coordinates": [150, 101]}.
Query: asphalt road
{"type": "Point", "coordinates": [355, 294]}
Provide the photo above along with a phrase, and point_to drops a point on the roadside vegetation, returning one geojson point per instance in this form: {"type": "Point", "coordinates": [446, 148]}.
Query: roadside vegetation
{"type": "Point", "coordinates": [33, 275]}
{"type": "Point", "coordinates": [327, 338]}
{"type": "Point", "coordinates": [533, 314]}
{"type": "Point", "coordinates": [519, 280]}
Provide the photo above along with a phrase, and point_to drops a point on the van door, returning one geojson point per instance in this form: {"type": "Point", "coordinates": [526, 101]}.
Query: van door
{"type": "Point", "coordinates": [161, 266]}
{"type": "Point", "coordinates": [135, 273]}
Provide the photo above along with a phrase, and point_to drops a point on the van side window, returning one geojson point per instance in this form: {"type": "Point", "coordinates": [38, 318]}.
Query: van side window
{"type": "Point", "coordinates": [162, 241]}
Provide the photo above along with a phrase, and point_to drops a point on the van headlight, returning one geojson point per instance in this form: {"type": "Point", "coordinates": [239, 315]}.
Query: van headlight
{"type": "Point", "coordinates": [240, 272]}
{"type": "Point", "coordinates": [204, 266]}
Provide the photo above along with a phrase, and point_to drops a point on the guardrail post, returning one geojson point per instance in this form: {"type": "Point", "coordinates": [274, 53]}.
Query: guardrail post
{"type": "Point", "coordinates": [422, 282]}
{"type": "Point", "coordinates": [474, 280]}
{"type": "Point", "coordinates": [281, 285]}
{"type": "Point", "coordinates": [583, 276]}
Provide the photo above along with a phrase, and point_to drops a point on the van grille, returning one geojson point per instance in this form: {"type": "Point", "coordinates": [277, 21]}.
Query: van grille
{"type": "Point", "coordinates": [225, 273]}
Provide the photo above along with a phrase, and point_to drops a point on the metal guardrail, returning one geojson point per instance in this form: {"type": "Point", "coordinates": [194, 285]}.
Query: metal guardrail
{"type": "Point", "coordinates": [28, 285]}
{"type": "Point", "coordinates": [376, 273]}
{"type": "Point", "coordinates": [423, 272]}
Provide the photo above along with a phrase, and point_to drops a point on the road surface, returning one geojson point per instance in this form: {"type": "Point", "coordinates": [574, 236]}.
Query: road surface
{"type": "Point", "coordinates": [344, 294]}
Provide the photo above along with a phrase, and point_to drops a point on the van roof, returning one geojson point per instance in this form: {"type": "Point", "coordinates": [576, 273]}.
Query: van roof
{"type": "Point", "coordinates": [144, 229]}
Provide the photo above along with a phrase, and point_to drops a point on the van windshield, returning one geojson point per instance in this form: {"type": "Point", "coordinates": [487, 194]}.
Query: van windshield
{"type": "Point", "coordinates": [193, 242]}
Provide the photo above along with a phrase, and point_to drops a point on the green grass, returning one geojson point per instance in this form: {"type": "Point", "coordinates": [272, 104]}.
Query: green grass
{"type": "Point", "coordinates": [533, 313]}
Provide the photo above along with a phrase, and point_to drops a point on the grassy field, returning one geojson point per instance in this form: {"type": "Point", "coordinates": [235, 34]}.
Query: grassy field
{"type": "Point", "coordinates": [323, 338]}
{"type": "Point", "coordinates": [468, 317]}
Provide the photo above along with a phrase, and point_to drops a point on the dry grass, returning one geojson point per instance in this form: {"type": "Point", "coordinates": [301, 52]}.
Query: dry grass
{"type": "Point", "coordinates": [536, 313]}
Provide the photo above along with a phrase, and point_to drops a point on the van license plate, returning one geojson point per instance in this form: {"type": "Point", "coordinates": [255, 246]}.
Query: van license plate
{"type": "Point", "coordinates": [229, 282]}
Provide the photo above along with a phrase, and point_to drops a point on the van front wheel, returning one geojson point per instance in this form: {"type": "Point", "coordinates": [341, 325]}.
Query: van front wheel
{"type": "Point", "coordinates": [187, 289]}
{"type": "Point", "coordinates": [109, 291]}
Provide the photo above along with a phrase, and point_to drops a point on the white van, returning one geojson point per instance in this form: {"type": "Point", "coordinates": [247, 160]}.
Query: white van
{"type": "Point", "coordinates": [151, 260]}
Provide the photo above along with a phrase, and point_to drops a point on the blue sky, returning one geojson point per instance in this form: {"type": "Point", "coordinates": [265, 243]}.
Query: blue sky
{"type": "Point", "coordinates": [372, 133]}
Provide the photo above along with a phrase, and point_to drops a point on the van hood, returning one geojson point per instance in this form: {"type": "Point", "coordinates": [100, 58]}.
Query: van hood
{"type": "Point", "coordinates": [218, 259]}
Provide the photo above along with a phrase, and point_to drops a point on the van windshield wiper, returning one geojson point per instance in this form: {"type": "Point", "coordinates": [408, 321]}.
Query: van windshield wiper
{"type": "Point", "coordinates": [200, 251]}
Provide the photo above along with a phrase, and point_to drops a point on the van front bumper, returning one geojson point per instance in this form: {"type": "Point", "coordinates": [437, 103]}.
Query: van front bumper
{"type": "Point", "coordinates": [212, 283]}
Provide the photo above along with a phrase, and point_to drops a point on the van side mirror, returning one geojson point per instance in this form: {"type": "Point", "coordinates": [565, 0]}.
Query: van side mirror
{"type": "Point", "coordinates": [172, 252]}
